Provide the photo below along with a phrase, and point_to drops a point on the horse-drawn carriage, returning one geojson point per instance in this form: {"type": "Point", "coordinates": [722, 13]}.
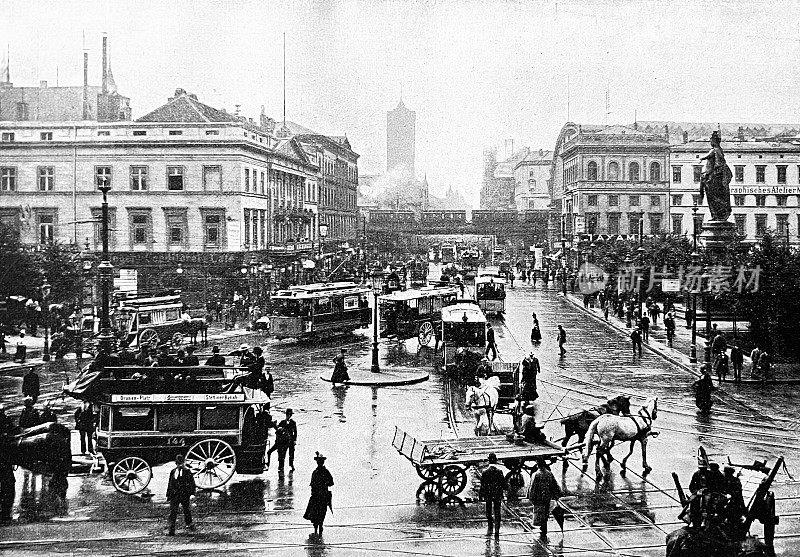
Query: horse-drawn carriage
{"type": "Point", "coordinates": [443, 463]}
{"type": "Point", "coordinates": [156, 319]}
{"type": "Point", "coordinates": [147, 417]}
{"type": "Point", "coordinates": [43, 449]}
{"type": "Point", "coordinates": [490, 293]}
{"type": "Point", "coordinates": [415, 313]}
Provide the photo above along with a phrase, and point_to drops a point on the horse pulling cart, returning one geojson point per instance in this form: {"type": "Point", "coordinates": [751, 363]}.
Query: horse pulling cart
{"type": "Point", "coordinates": [443, 463]}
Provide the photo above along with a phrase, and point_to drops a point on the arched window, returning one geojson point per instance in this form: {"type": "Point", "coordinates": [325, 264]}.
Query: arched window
{"type": "Point", "coordinates": [655, 172]}
{"type": "Point", "coordinates": [613, 171]}
{"type": "Point", "coordinates": [591, 171]}
{"type": "Point", "coordinates": [633, 171]}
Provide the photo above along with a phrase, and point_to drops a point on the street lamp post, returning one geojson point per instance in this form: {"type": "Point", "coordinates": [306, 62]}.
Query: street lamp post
{"type": "Point", "coordinates": [45, 294]}
{"type": "Point", "coordinates": [640, 260]}
{"type": "Point", "coordinates": [375, 367]}
{"type": "Point", "coordinates": [693, 301]}
{"type": "Point", "coordinates": [106, 270]}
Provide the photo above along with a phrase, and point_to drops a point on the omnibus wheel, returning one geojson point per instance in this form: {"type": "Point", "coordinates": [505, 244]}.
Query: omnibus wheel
{"type": "Point", "coordinates": [212, 461]}
{"type": "Point", "coordinates": [425, 333]}
{"type": "Point", "coordinates": [427, 473]}
{"type": "Point", "coordinates": [131, 475]}
{"type": "Point", "coordinates": [149, 336]}
{"type": "Point", "coordinates": [176, 340]}
{"type": "Point", "coordinates": [453, 479]}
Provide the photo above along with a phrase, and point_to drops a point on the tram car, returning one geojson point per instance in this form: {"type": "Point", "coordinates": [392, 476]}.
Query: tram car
{"type": "Point", "coordinates": [470, 263]}
{"type": "Point", "coordinates": [154, 320]}
{"type": "Point", "coordinates": [449, 254]}
{"type": "Point", "coordinates": [317, 310]}
{"type": "Point", "coordinates": [147, 418]}
{"type": "Point", "coordinates": [463, 336]}
{"type": "Point", "coordinates": [418, 271]}
{"type": "Point", "coordinates": [490, 294]}
{"type": "Point", "coordinates": [415, 313]}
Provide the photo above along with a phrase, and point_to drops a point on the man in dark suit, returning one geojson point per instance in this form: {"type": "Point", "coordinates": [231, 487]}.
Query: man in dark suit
{"type": "Point", "coordinates": [30, 385]}
{"type": "Point", "coordinates": [180, 488]}
{"type": "Point", "coordinates": [493, 484]}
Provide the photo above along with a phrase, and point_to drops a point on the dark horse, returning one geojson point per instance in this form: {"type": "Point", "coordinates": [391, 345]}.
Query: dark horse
{"type": "Point", "coordinates": [578, 423]}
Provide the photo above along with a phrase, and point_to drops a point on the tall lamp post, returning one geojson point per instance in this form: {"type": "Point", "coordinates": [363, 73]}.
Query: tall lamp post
{"type": "Point", "coordinates": [693, 301]}
{"type": "Point", "coordinates": [46, 294]}
{"type": "Point", "coordinates": [106, 270]}
{"type": "Point", "coordinates": [376, 284]}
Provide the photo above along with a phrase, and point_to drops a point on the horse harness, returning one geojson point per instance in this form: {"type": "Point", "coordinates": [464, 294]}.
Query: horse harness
{"type": "Point", "coordinates": [642, 430]}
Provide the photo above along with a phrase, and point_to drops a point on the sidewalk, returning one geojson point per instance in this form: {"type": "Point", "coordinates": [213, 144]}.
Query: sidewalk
{"type": "Point", "coordinates": [678, 354]}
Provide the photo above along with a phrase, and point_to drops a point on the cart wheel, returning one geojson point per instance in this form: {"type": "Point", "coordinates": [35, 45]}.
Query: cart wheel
{"type": "Point", "coordinates": [131, 475]}
{"type": "Point", "coordinates": [427, 472]}
{"type": "Point", "coordinates": [453, 480]}
{"type": "Point", "coordinates": [177, 340]}
{"type": "Point", "coordinates": [428, 492]}
{"type": "Point", "coordinates": [515, 482]}
{"type": "Point", "coordinates": [212, 461]}
{"type": "Point", "coordinates": [148, 336]}
{"type": "Point", "coordinates": [425, 333]}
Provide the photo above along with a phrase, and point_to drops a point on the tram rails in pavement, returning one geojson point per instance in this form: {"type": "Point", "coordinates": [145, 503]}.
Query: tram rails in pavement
{"type": "Point", "coordinates": [318, 310]}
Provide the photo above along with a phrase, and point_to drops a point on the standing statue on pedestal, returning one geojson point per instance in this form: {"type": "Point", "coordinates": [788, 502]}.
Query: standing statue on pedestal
{"type": "Point", "coordinates": [715, 181]}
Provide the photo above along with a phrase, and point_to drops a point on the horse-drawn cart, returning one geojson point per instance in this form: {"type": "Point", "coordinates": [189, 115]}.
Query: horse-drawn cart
{"type": "Point", "coordinates": [443, 463]}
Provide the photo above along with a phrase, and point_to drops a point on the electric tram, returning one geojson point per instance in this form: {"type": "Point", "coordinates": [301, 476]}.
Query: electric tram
{"type": "Point", "coordinates": [315, 310]}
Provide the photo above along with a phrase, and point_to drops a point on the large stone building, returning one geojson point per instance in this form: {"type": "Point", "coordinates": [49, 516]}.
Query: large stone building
{"type": "Point", "coordinates": [498, 183]}
{"type": "Point", "coordinates": [610, 178]}
{"type": "Point", "coordinates": [765, 188]}
{"type": "Point", "coordinates": [61, 104]}
{"type": "Point", "coordinates": [533, 181]}
{"type": "Point", "coordinates": [400, 141]}
{"type": "Point", "coordinates": [191, 186]}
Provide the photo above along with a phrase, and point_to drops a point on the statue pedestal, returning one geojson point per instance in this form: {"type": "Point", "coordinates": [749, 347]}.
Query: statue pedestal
{"type": "Point", "coordinates": [717, 234]}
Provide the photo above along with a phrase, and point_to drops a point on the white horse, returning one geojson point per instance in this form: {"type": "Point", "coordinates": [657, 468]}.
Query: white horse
{"type": "Point", "coordinates": [610, 428]}
{"type": "Point", "coordinates": [483, 401]}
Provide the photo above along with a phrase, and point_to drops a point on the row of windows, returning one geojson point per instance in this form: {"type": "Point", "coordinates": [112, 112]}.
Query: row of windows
{"type": "Point", "coordinates": [613, 171]}
{"type": "Point", "coordinates": [738, 173]}
{"type": "Point", "coordinates": [613, 220]}
{"type": "Point", "coordinates": [761, 224]}
{"type": "Point", "coordinates": [633, 200]}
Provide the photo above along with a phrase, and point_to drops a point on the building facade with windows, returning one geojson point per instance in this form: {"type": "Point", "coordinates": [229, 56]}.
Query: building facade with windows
{"type": "Point", "coordinates": [533, 181]}
{"type": "Point", "coordinates": [765, 188]}
{"type": "Point", "coordinates": [608, 179]}
{"type": "Point", "coordinates": [189, 184]}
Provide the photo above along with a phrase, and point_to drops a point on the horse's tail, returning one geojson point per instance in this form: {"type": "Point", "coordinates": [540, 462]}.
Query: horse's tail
{"type": "Point", "coordinates": [587, 450]}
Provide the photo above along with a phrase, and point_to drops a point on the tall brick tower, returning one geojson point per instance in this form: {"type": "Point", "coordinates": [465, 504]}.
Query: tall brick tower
{"type": "Point", "coordinates": [400, 131]}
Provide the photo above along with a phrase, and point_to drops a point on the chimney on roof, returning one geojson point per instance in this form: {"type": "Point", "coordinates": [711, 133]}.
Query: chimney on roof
{"type": "Point", "coordinates": [541, 152]}
{"type": "Point", "coordinates": [740, 134]}
{"type": "Point", "coordinates": [193, 96]}
{"type": "Point", "coordinates": [105, 65]}
{"type": "Point", "coordinates": [43, 84]}
{"type": "Point", "coordinates": [178, 92]}
{"type": "Point", "coordinates": [686, 137]}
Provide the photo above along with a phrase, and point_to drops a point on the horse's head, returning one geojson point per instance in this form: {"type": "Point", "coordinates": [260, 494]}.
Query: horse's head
{"type": "Point", "coordinates": [620, 404]}
{"type": "Point", "coordinates": [471, 395]}
{"type": "Point", "coordinates": [652, 408]}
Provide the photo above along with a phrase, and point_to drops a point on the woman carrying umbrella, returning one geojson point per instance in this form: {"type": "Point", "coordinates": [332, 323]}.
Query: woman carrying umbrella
{"type": "Point", "coordinates": [320, 500]}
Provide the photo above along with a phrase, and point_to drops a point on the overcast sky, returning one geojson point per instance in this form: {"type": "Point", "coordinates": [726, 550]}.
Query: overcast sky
{"type": "Point", "coordinates": [476, 73]}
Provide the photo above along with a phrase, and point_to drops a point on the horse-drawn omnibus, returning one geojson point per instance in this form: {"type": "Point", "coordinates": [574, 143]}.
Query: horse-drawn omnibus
{"type": "Point", "coordinates": [155, 319]}
{"type": "Point", "coordinates": [490, 294]}
{"type": "Point", "coordinates": [314, 310]}
{"type": "Point", "coordinates": [470, 262]}
{"type": "Point", "coordinates": [147, 417]}
{"type": "Point", "coordinates": [463, 335]}
{"type": "Point", "coordinates": [415, 313]}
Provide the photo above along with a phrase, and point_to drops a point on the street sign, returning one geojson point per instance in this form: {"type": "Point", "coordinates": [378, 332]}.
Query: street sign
{"type": "Point", "coordinates": [580, 224]}
{"type": "Point", "coordinates": [670, 285]}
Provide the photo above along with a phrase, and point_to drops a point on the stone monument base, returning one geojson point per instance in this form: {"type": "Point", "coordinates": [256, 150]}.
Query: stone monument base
{"type": "Point", "coordinates": [717, 234]}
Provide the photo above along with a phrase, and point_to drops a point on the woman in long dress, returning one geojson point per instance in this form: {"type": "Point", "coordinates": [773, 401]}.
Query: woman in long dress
{"type": "Point", "coordinates": [536, 333]}
{"type": "Point", "coordinates": [320, 499]}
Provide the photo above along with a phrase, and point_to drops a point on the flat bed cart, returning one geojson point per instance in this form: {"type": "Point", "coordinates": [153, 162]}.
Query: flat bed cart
{"type": "Point", "coordinates": [444, 462]}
